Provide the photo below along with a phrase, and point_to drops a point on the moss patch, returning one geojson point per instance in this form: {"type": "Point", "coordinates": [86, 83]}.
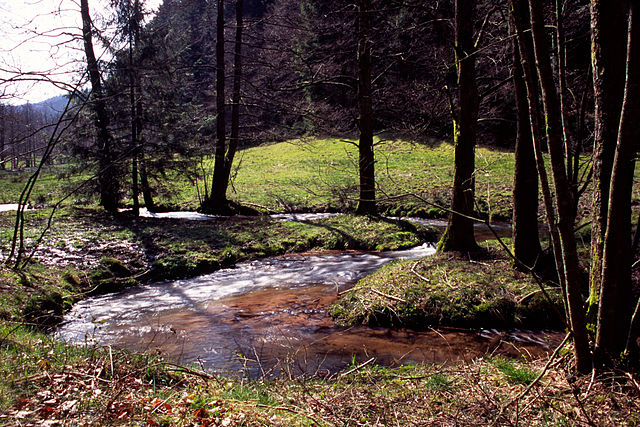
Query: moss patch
{"type": "Point", "coordinates": [449, 290]}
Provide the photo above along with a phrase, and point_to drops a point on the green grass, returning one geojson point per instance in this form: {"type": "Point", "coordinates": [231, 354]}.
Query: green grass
{"type": "Point", "coordinates": [322, 174]}
{"type": "Point", "coordinates": [316, 175]}
{"type": "Point", "coordinates": [514, 372]}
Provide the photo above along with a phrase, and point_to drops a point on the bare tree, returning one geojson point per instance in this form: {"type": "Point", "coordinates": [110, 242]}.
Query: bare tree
{"type": "Point", "coordinates": [608, 40]}
{"type": "Point", "coordinates": [366, 160]}
{"type": "Point", "coordinates": [615, 303]}
{"type": "Point", "coordinates": [459, 235]}
{"type": "Point", "coordinates": [106, 179]}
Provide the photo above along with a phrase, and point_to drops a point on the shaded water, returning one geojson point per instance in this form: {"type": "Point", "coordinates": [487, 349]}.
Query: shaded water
{"type": "Point", "coordinates": [269, 316]}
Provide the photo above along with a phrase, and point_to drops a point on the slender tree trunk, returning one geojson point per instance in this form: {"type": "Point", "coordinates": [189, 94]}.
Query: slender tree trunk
{"type": "Point", "coordinates": [218, 200]}
{"type": "Point", "coordinates": [106, 177]}
{"type": "Point", "coordinates": [526, 241]}
{"type": "Point", "coordinates": [147, 194]}
{"type": "Point", "coordinates": [616, 298]}
{"type": "Point", "coordinates": [235, 101]}
{"type": "Point", "coordinates": [459, 235]}
{"type": "Point", "coordinates": [366, 159]}
{"type": "Point", "coordinates": [564, 196]}
{"type": "Point", "coordinates": [608, 43]}
{"type": "Point", "coordinates": [135, 190]}
{"type": "Point", "coordinates": [522, 24]}
{"type": "Point", "coordinates": [3, 134]}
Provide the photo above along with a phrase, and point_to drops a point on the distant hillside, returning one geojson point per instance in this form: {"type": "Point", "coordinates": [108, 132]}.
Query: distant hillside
{"type": "Point", "coordinates": [52, 107]}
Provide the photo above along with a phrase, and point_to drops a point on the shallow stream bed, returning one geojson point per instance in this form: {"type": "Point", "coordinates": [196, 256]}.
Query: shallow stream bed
{"type": "Point", "coordinates": [270, 316]}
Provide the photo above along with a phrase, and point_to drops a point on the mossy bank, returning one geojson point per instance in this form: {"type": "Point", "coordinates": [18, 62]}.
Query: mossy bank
{"type": "Point", "coordinates": [481, 290]}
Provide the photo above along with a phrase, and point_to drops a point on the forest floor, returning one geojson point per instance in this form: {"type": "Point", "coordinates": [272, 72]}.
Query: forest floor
{"type": "Point", "coordinates": [46, 382]}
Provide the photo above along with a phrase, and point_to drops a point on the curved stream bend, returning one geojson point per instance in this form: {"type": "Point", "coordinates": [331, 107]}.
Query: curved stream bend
{"type": "Point", "coordinates": [266, 316]}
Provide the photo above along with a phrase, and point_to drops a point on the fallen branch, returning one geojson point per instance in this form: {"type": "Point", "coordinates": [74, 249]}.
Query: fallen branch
{"type": "Point", "coordinates": [284, 408]}
{"type": "Point", "coordinates": [539, 377]}
{"type": "Point", "coordinates": [382, 294]}
{"type": "Point", "coordinates": [530, 294]}
{"type": "Point", "coordinates": [185, 370]}
{"type": "Point", "coordinates": [418, 275]}
{"type": "Point", "coordinates": [633, 381]}
{"type": "Point", "coordinates": [362, 365]}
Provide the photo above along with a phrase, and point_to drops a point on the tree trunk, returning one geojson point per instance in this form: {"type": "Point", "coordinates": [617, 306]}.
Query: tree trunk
{"type": "Point", "coordinates": [459, 235]}
{"type": "Point", "coordinates": [106, 174]}
{"type": "Point", "coordinates": [218, 199]}
{"type": "Point", "coordinates": [235, 101]}
{"type": "Point", "coordinates": [366, 159]}
{"type": "Point", "coordinates": [526, 241]}
{"type": "Point", "coordinates": [3, 133]}
{"type": "Point", "coordinates": [616, 298]}
{"type": "Point", "coordinates": [608, 43]}
{"type": "Point", "coordinates": [522, 24]}
{"type": "Point", "coordinates": [564, 199]}
{"type": "Point", "coordinates": [135, 191]}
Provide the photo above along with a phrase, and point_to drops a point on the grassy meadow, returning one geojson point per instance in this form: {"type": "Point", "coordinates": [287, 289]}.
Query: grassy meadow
{"type": "Point", "coordinates": [313, 175]}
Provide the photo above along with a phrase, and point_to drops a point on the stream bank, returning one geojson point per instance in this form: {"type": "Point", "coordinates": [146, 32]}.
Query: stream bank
{"type": "Point", "coordinates": [90, 252]}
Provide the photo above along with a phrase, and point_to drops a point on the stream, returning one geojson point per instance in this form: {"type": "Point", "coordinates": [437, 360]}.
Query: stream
{"type": "Point", "coordinates": [269, 316]}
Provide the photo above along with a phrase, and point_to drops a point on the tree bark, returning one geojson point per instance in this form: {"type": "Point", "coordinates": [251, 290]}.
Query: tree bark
{"type": "Point", "coordinates": [616, 298]}
{"type": "Point", "coordinates": [106, 175]}
{"type": "Point", "coordinates": [526, 241]}
{"type": "Point", "coordinates": [218, 199]}
{"type": "Point", "coordinates": [563, 193]}
{"type": "Point", "coordinates": [3, 134]}
{"type": "Point", "coordinates": [608, 43]}
{"type": "Point", "coordinates": [366, 159]}
{"type": "Point", "coordinates": [235, 97]}
{"type": "Point", "coordinates": [459, 235]}
{"type": "Point", "coordinates": [135, 190]}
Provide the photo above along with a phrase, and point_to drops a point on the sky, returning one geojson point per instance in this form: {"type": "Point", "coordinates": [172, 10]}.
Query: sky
{"type": "Point", "coordinates": [40, 52]}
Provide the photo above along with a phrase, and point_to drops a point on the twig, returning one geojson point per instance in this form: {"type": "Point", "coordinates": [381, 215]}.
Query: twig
{"type": "Point", "coordinates": [284, 408]}
{"type": "Point", "coordinates": [111, 361]}
{"type": "Point", "coordinates": [593, 379]}
{"type": "Point", "coordinates": [362, 365]}
{"type": "Point", "coordinates": [382, 294]}
{"type": "Point", "coordinates": [418, 275]}
{"type": "Point", "coordinates": [530, 294]}
{"type": "Point", "coordinates": [633, 381]}
{"type": "Point", "coordinates": [539, 377]}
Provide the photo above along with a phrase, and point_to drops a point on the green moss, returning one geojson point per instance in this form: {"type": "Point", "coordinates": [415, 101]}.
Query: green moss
{"type": "Point", "coordinates": [447, 289]}
{"type": "Point", "coordinates": [115, 266]}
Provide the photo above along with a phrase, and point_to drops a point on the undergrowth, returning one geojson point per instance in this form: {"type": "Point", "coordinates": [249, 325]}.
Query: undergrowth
{"type": "Point", "coordinates": [47, 382]}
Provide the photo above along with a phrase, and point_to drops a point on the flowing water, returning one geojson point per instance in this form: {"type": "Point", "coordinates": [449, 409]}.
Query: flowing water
{"type": "Point", "coordinates": [269, 316]}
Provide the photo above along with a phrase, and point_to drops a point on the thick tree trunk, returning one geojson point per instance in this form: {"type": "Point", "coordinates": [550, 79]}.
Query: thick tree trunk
{"type": "Point", "coordinates": [608, 43]}
{"type": "Point", "coordinates": [459, 235]}
{"type": "Point", "coordinates": [218, 199]}
{"type": "Point", "coordinates": [616, 299]}
{"type": "Point", "coordinates": [564, 196]}
{"type": "Point", "coordinates": [106, 175]}
{"type": "Point", "coordinates": [526, 241]}
{"type": "Point", "coordinates": [366, 160]}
